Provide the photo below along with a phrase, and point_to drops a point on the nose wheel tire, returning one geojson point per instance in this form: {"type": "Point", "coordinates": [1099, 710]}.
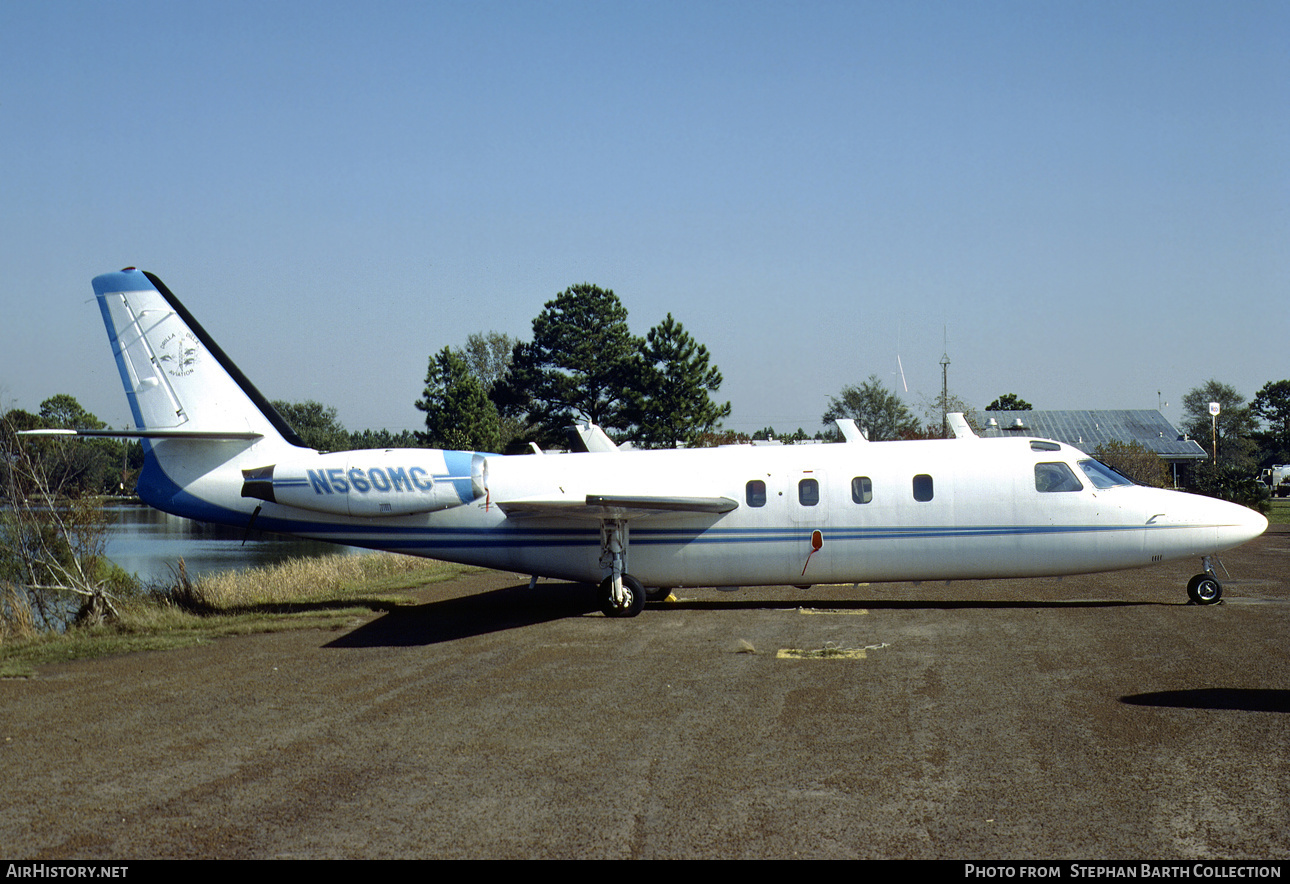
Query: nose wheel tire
{"type": "Point", "coordinates": [1204, 589]}
{"type": "Point", "coordinates": [634, 597]}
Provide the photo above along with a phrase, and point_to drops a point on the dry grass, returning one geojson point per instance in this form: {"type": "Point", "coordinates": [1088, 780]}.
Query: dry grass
{"type": "Point", "coordinates": [312, 579]}
{"type": "Point", "coordinates": [317, 593]}
{"type": "Point", "coordinates": [16, 620]}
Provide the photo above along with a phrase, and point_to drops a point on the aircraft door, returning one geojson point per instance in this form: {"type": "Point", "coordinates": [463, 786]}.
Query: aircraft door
{"type": "Point", "coordinates": [807, 496]}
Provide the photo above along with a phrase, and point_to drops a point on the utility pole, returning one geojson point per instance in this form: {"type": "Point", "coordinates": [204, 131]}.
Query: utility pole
{"type": "Point", "coordinates": [945, 391]}
{"type": "Point", "coordinates": [1214, 408]}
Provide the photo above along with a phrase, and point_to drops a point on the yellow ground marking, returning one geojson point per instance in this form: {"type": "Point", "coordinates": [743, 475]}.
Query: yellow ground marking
{"type": "Point", "coordinates": [830, 651]}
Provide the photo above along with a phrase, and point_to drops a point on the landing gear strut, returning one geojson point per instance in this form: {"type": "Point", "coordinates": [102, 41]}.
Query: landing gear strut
{"type": "Point", "coordinates": [621, 594]}
{"type": "Point", "coordinates": [1204, 589]}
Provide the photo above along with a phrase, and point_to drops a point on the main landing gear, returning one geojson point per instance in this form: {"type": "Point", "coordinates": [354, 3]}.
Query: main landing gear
{"type": "Point", "coordinates": [628, 603]}
{"type": "Point", "coordinates": [1204, 589]}
{"type": "Point", "coordinates": [621, 594]}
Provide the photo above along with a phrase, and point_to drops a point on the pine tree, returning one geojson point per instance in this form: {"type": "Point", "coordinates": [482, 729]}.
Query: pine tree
{"type": "Point", "coordinates": [459, 414]}
{"type": "Point", "coordinates": [579, 365]}
{"type": "Point", "coordinates": [671, 402]}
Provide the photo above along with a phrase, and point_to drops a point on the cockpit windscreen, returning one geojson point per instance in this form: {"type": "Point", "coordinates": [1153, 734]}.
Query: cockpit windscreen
{"type": "Point", "coordinates": [1101, 475]}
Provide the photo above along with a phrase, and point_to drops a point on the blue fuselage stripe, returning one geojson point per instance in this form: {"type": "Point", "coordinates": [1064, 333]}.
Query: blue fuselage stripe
{"type": "Point", "coordinates": [406, 536]}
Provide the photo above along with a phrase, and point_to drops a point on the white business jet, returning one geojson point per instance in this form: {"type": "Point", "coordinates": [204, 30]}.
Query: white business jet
{"type": "Point", "coordinates": [639, 523]}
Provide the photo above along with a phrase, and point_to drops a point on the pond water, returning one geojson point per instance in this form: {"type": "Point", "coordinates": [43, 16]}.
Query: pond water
{"type": "Point", "coordinates": [149, 543]}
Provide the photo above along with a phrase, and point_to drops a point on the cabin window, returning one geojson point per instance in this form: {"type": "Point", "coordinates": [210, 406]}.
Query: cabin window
{"type": "Point", "coordinates": [755, 492]}
{"type": "Point", "coordinates": [1050, 477]}
{"type": "Point", "coordinates": [861, 489]}
{"type": "Point", "coordinates": [808, 492]}
{"type": "Point", "coordinates": [923, 487]}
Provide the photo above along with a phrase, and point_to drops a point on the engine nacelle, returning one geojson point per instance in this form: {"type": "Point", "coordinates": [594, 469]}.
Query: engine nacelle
{"type": "Point", "coordinates": [377, 482]}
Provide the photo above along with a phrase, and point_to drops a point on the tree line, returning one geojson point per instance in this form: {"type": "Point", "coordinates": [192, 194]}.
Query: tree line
{"type": "Point", "coordinates": [582, 364]}
{"type": "Point", "coordinates": [1244, 437]}
{"type": "Point", "coordinates": [89, 466]}
{"type": "Point", "coordinates": [53, 530]}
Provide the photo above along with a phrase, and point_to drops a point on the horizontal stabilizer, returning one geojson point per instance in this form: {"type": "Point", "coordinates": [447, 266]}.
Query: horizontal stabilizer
{"type": "Point", "coordinates": [600, 506]}
{"type": "Point", "coordinates": [149, 434]}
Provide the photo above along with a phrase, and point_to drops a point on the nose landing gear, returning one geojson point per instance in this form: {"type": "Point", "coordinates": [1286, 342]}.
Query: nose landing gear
{"type": "Point", "coordinates": [1204, 589]}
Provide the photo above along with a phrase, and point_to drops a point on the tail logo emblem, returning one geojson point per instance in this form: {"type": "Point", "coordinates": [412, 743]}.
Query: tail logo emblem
{"type": "Point", "coordinates": [179, 353]}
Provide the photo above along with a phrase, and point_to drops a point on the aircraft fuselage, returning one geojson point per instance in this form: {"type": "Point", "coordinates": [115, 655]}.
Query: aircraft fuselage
{"type": "Point", "coordinates": [834, 513]}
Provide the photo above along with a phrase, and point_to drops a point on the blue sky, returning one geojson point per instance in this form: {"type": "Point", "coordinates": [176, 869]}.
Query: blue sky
{"type": "Point", "coordinates": [1087, 201]}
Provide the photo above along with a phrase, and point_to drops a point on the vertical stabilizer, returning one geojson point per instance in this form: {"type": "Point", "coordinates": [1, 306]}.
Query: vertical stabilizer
{"type": "Point", "coordinates": [959, 425]}
{"type": "Point", "coordinates": [176, 377]}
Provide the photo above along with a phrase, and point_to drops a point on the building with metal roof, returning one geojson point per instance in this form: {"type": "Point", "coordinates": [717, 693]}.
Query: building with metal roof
{"type": "Point", "coordinates": [1087, 430]}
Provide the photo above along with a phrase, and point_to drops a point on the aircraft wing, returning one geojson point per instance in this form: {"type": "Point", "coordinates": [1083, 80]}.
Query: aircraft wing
{"type": "Point", "coordinates": [615, 506]}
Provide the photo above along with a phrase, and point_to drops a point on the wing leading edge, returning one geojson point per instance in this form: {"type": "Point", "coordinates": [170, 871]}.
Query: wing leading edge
{"type": "Point", "coordinates": [615, 506]}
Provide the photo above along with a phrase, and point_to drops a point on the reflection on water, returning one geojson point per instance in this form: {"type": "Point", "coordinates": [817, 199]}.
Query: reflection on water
{"type": "Point", "coordinates": [148, 543]}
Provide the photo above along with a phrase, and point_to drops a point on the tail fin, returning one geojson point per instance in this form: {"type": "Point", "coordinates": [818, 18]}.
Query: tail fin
{"type": "Point", "coordinates": [178, 380]}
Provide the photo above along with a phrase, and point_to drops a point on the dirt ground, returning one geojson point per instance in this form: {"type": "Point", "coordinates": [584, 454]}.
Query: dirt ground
{"type": "Point", "coordinates": [1088, 717]}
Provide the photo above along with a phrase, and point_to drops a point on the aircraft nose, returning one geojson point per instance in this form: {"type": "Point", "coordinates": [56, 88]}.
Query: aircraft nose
{"type": "Point", "coordinates": [1209, 525]}
{"type": "Point", "coordinates": [1240, 524]}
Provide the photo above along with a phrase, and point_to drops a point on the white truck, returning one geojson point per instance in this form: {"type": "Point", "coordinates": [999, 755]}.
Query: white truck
{"type": "Point", "coordinates": [1277, 477]}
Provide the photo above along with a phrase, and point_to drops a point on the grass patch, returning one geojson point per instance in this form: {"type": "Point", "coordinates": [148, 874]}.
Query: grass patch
{"type": "Point", "coordinates": [314, 593]}
{"type": "Point", "coordinates": [1279, 511]}
{"type": "Point", "coordinates": [299, 583]}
